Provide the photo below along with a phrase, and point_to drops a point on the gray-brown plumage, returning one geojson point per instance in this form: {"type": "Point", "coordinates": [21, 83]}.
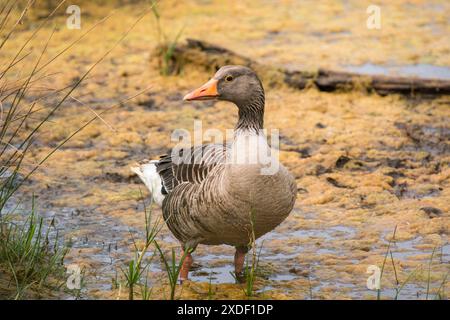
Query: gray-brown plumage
{"type": "Point", "coordinates": [218, 193]}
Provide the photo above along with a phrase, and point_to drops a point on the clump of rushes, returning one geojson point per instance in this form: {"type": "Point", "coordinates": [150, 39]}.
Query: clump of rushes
{"type": "Point", "coordinates": [166, 48]}
{"type": "Point", "coordinates": [172, 268]}
{"type": "Point", "coordinates": [136, 268]}
{"type": "Point", "coordinates": [30, 260]}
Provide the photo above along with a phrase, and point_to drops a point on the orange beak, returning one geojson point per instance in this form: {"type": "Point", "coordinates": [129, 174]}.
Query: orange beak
{"type": "Point", "coordinates": [208, 91]}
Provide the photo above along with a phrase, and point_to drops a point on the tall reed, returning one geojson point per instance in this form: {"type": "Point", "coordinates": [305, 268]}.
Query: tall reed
{"type": "Point", "coordinates": [166, 47]}
{"type": "Point", "coordinates": [251, 261]}
{"type": "Point", "coordinates": [24, 250]}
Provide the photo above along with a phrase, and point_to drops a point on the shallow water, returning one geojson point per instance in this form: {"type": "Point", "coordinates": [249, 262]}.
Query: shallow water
{"type": "Point", "coordinates": [421, 70]}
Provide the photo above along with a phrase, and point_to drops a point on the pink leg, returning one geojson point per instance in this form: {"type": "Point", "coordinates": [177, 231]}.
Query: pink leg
{"type": "Point", "coordinates": [239, 259]}
{"type": "Point", "coordinates": [187, 263]}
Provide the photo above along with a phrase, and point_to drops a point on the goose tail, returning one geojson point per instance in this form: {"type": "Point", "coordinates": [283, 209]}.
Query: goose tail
{"type": "Point", "coordinates": [146, 171]}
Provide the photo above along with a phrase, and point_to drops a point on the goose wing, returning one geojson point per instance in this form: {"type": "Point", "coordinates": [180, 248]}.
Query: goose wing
{"type": "Point", "coordinates": [190, 165]}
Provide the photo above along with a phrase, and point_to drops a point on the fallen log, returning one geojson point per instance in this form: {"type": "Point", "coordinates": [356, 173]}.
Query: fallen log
{"type": "Point", "coordinates": [210, 56]}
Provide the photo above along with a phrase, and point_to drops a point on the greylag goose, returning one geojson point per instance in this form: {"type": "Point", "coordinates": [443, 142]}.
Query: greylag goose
{"type": "Point", "coordinates": [219, 196]}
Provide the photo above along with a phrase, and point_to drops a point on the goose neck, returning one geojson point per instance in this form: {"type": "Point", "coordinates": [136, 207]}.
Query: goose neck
{"type": "Point", "coordinates": [251, 114]}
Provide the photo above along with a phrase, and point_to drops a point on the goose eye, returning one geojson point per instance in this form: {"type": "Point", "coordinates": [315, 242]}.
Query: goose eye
{"type": "Point", "coordinates": [229, 78]}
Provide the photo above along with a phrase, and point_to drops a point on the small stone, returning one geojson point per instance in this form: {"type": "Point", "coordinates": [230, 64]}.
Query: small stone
{"type": "Point", "coordinates": [341, 161]}
{"type": "Point", "coordinates": [320, 125]}
{"type": "Point", "coordinates": [432, 212]}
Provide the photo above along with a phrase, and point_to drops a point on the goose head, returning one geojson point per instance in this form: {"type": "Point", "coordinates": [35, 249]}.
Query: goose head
{"type": "Point", "coordinates": [239, 85]}
{"type": "Point", "coordinates": [236, 84]}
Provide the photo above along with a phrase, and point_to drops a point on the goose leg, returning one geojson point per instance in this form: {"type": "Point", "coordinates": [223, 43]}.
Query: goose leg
{"type": "Point", "coordinates": [186, 266]}
{"type": "Point", "coordinates": [239, 259]}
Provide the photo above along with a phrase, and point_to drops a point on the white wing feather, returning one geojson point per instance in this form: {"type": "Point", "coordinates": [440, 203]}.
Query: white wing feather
{"type": "Point", "coordinates": [152, 180]}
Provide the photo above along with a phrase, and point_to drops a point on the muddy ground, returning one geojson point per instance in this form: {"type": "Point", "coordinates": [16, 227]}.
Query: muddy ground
{"type": "Point", "coordinates": [363, 163]}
